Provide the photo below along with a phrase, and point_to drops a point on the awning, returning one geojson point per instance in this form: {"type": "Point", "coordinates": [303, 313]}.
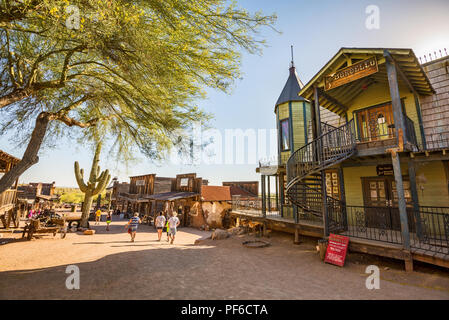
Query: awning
{"type": "Point", "coordinates": [174, 195]}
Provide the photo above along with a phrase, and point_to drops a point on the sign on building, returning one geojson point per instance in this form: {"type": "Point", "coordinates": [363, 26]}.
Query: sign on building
{"type": "Point", "coordinates": [140, 183]}
{"type": "Point", "coordinates": [354, 72]}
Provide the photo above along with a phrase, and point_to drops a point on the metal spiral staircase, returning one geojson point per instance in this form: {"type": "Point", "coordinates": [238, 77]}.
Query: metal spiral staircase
{"type": "Point", "coordinates": [305, 167]}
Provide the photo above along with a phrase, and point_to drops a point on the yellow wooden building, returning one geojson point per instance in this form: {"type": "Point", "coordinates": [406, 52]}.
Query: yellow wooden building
{"type": "Point", "coordinates": [363, 152]}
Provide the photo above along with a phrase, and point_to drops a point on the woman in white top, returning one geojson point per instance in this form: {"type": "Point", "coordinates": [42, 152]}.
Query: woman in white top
{"type": "Point", "coordinates": [160, 222]}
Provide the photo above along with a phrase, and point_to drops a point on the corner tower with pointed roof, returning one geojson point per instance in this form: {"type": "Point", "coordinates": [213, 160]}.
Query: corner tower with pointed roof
{"type": "Point", "coordinates": [292, 116]}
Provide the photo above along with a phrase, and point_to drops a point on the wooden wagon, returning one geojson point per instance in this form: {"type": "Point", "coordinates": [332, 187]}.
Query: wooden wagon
{"type": "Point", "coordinates": [53, 226]}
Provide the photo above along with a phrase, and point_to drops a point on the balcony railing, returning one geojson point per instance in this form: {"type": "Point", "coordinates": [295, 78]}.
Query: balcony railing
{"type": "Point", "coordinates": [8, 197]}
{"type": "Point", "coordinates": [254, 206]}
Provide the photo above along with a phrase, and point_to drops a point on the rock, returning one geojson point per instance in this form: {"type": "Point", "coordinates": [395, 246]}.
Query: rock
{"type": "Point", "coordinates": [89, 232]}
{"type": "Point", "coordinates": [219, 234]}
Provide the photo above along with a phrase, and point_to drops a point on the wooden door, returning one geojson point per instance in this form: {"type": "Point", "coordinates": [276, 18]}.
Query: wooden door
{"type": "Point", "coordinates": [381, 199]}
{"type": "Point", "coordinates": [376, 123]}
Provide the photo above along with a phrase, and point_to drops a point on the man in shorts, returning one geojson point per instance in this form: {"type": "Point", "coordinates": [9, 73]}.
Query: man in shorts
{"type": "Point", "coordinates": [173, 223]}
{"type": "Point", "coordinates": [160, 222]}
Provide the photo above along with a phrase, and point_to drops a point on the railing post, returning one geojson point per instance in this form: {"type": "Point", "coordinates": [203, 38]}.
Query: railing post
{"type": "Point", "coordinates": [401, 200]}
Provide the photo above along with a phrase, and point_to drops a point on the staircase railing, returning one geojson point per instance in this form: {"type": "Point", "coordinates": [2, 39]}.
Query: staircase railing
{"type": "Point", "coordinates": [304, 184]}
{"type": "Point", "coordinates": [328, 149]}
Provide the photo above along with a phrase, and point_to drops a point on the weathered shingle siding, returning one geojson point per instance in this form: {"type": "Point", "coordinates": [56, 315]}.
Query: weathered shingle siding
{"type": "Point", "coordinates": [330, 117]}
{"type": "Point", "coordinates": [435, 108]}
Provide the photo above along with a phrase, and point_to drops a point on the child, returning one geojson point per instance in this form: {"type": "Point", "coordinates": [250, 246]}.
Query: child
{"type": "Point", "coordinates": [108, 220]}
{"type": "Point", "coordinates": [167, 227]}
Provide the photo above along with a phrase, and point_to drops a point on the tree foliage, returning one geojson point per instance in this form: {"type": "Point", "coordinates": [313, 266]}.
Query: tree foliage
{"type": "Point", "coordinates": [129, 71]}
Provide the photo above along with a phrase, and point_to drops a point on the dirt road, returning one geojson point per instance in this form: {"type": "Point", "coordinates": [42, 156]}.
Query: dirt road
{"type": "Point", "coordinates": [111, 267]}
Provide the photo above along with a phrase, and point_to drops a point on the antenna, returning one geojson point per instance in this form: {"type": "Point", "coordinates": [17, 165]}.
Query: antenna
{"type": "Point", "coordinates": [293, 64]}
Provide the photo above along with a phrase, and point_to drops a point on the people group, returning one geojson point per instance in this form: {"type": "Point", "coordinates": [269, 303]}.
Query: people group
{"type": "Point", "coordinates": [161, 222]}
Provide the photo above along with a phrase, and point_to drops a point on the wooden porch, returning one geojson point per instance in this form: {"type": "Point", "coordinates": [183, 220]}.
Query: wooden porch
{"type": "Point", "coordinates": [432, 254]}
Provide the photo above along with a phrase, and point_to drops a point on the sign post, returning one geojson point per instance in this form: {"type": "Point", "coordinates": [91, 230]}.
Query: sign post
{"type": "Point", "coordinates": [336, 250]}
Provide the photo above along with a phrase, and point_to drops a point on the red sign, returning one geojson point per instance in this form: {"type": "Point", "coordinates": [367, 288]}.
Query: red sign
{"type": "Point", "coordinates": [336, 249]}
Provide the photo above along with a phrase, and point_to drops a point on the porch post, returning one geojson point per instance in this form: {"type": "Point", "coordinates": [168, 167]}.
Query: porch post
{"type": "Point", "coordinates": [317, 117]}
{"type": "Point", "coordinates": [324, 204]}
{"type": "Point", "coordinates": [399, 123]}
{"type": "Point", "coordinates": [318, 150]}
{"type": "Point", "coordinates": [269, 193]}
{"type": "Point", "coordinates": [276, 182]}
{"type": "Point", "coordinates": [401, 199]}
{"type": "Point", "coordinates": [263, 195]}
{"type": "Point", "coordinates": [414, 192]}
{"type": "Point", "coordinates": [281, 193]}
{"type": "Point", "coordinates": [343, 197]}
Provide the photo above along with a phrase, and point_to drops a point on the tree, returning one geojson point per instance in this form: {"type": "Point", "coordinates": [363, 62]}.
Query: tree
{"type": "Point", "coordinates": [132, 68]}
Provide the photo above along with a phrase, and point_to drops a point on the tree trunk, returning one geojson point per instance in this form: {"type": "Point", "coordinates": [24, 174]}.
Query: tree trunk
{"type": "Point", "coordinates": [88, 198]}
{"type": "Point", "coordinates": [30, 157]}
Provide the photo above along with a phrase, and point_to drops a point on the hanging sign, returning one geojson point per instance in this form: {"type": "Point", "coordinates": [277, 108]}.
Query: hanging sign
{"type": "Point", "coordinates": [354, 72]}
{"type": "Point", "coordinates": [336, 250]}
{"type": "Point", "coordinates": [385, 170]}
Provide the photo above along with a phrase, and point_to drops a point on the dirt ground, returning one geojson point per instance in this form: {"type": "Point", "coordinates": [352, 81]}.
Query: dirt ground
{"type": "Point", "coordinates": [111, 267]}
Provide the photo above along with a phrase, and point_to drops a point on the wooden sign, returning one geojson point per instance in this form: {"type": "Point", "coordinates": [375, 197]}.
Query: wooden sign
{"type": "Point", "coordinates": [336, 250]}
{"type": "Point", "coordinates": [356, 71]}
{"type": "Point", "coordinates": [385, 170]}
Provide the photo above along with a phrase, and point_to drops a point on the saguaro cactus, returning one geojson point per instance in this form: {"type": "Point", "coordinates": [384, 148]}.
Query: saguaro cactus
{"type": "Point", "coordinates": [96, 184]}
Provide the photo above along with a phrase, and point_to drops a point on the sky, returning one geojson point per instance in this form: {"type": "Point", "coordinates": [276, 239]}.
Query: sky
{"type": "Point", "coordinates": [317, 30]}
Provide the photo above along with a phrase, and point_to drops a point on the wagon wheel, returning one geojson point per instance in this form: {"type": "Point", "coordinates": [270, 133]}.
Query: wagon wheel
{"type": "Point", "coordinates": [74, 223]}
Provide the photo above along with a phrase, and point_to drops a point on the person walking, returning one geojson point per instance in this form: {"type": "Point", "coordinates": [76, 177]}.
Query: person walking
{"type": "Point", "coordinates": [173, 223]}
{"type": "Point", "coordinates": [160, 222]}
{"type": "Point", "coordinates": [108, 219]}
{"type": "Point", "coordinates": [132, 225]}
{"type": "Point", "coordinates": [98, 216]}
{"type": "Point", "coordinates": [167, 229]}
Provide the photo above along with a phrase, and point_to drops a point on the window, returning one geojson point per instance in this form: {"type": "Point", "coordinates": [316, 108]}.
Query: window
{"type": "Point", "coordinates": [285, 135]}
{"type": "Point", "coordinates": [184, 182]}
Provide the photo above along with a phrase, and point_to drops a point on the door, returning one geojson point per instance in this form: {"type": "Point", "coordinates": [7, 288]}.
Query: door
{"type": "Point", "coordinates": [376, 123]}
{"type": "Point", "coordinates": [381, 197]}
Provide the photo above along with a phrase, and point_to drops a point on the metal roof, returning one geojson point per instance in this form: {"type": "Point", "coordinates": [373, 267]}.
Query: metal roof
{"type": "Point", "coordinates": [338, 98]}
{"type": "Point", "coordinates": [291, 88]}
{"type": "Point", "coordinates": [170, 196]}
{"type": "Point", "coordinates": [216, 193]}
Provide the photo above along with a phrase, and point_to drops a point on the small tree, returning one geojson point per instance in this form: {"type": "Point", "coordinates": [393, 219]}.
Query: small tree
{"type": "Point", "coordinates": [95, 185]}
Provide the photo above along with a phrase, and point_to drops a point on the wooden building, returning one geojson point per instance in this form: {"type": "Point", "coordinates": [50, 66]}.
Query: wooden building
{"type": "Point", "coordinates": [211, 207]}
{"type": "Point", "coordinates": [134, 197]}
{"type": "Point", "coordinates": [184, 194]}
{"type": "Point", "coordinates": [378, 169]}
{"type": "Point", "coordinates": [8, 213]}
